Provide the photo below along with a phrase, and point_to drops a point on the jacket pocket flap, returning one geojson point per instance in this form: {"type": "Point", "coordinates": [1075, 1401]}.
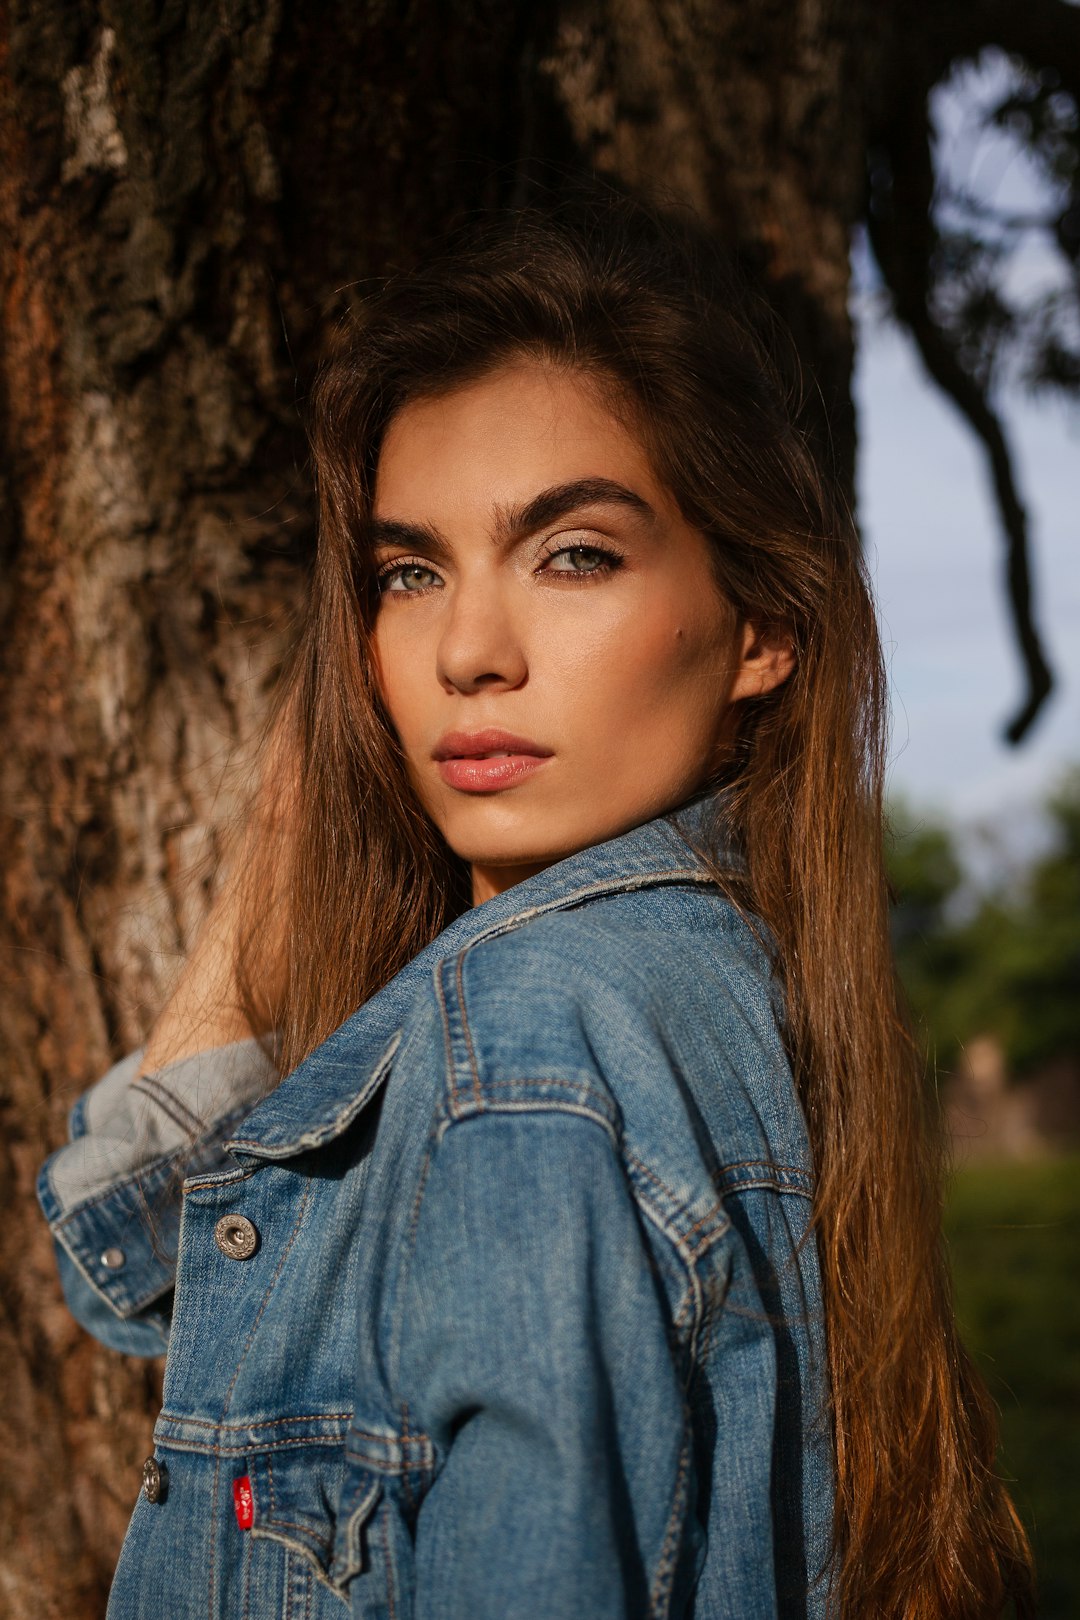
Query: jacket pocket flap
{"type": "Point", "coordinates": [294, 1495]}
{"type": "Point", "coordinates": [360, 1498]}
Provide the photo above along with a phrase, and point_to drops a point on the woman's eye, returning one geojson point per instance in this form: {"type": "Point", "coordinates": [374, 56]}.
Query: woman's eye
{"type": "Point", "coordinates": [407, 578]}
{"type": "Point", "coordinates": [580, 560]}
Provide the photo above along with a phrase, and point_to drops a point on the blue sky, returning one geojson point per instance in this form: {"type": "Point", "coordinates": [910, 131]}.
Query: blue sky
{"type": "Point", "coordinates": [934, 545]}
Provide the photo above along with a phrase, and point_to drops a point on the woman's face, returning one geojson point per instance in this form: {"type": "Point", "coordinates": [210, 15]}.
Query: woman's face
{"type": "Point", "coordinates": [554, 652]}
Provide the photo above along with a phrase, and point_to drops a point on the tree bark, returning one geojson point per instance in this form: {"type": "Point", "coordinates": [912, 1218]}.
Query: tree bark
{"type": "Point", "coordinates": [190, 197]}
{"type": "Point", "coordinates": [755, 115]}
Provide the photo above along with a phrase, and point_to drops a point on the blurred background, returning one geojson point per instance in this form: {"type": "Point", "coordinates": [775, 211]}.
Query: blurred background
{"type": "Point", "coordinates": [192, 198]}
{"type": "Point", "coordinates": [986, 836]}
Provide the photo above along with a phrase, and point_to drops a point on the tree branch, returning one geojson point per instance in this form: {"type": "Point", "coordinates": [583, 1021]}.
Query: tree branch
{"type": "Point", "coordinates": [1045, 33]}
{"type": "Point", "coordinates": [903, 236]}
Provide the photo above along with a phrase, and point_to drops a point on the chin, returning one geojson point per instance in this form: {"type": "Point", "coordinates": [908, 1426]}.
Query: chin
{"type": "Point", "coordinates": [512, 840]}
{"type": "Point", "coordinates": [505, 852]}
{"type": "Point", "coordinates": [495, 835]}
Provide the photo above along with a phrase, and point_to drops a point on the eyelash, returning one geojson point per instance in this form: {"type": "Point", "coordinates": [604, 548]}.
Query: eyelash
{"type": "Point", "coordinates": [611, 561]}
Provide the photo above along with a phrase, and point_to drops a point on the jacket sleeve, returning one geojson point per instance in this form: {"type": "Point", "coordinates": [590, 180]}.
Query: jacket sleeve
{"type": "Point", "coordinates": [112, 1194]}
{"type": "Point", "coordinates": [536, 1345]}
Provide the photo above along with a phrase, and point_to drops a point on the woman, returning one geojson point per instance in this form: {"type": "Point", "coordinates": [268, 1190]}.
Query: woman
{"type": "Point", "coordinates": [593, 1265]}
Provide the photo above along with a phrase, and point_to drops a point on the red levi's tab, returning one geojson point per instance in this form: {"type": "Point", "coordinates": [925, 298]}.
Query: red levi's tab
{"type": "Point", "coordinates": [242, 1502]}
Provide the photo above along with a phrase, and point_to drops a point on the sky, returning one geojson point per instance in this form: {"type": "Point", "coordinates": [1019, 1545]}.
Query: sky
{"type": "Point", "coordinates": [933, 541]}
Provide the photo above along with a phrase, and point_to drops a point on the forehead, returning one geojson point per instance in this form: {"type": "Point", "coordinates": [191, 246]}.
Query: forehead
{"type": "Point", "coordinates": [495, 441]}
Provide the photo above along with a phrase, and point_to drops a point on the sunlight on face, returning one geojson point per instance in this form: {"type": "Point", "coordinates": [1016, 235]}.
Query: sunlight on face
{"type": "Point", "coordinates": [544, 605]}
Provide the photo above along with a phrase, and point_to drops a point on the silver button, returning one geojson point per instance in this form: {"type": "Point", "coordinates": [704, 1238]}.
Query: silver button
{"type": "Point", "coordinates": [113, 1259]}
{"type": "Point", "coordinates": [151, 1480]}
{"type": "Point", "coordinates": [236, 1237]}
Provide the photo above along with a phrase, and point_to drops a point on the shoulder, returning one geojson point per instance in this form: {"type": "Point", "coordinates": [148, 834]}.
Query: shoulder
{"type": "Point", "coordinates": [649, 1014]}
{"type": "Point", "coordinates": [616, 993]}
{"type": "Point", "coordinates": [653, 1013]}
{"type": "Point", "coordinates": [641, 952]}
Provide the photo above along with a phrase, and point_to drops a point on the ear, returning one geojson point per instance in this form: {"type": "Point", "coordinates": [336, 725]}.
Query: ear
{"type": "Point", "coordinates": [767, 659]}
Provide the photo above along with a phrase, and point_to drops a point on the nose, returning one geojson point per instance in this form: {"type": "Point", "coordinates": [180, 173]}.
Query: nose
{"type": "Point", "coordinates": [480, 646]}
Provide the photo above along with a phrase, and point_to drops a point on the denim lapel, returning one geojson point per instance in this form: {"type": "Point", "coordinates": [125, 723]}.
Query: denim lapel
{"type": "Point", "coordinates": [326, 1092]}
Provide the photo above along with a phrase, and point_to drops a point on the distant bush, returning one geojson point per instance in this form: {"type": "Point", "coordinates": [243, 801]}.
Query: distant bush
{"type": "Point", "coordinates": [1014, 1238]}
{"type": "Point", "coordinates": [1011, 968]}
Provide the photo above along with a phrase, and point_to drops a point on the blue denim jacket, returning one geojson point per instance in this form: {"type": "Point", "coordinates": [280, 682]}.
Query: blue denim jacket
{"type": "Point", "coordinates": [503, 1304]}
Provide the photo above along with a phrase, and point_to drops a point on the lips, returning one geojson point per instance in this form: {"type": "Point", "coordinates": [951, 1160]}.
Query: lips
{"type": "Point", "coordinates": [487, 761]}
{"type": "Point", "coordinates": [485, 744]}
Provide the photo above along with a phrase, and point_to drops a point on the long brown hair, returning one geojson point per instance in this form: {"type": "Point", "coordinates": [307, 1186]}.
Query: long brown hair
{"type": "Point", "coordinates": [922, 1525]}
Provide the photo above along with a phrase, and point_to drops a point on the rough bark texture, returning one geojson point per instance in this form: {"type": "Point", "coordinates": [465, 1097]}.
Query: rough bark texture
{"type": "Point", "coordinates": [188, 192]}
{"type": "Point", "coordinates": [755, 114]}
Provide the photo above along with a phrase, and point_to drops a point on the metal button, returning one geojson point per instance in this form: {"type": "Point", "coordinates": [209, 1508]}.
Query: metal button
{"type": "Point", "coordinates": [151, 1480]}
{"type": "Point", "coordinates": [236, 1237]}
{"type": "Point", "coordinates": [113, 1259]}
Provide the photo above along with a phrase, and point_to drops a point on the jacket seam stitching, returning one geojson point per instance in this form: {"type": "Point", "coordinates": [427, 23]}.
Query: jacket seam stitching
{"type": "Point", "coordinates": [539, 1108]}
{"type": "Point", "coordinates": [401, 1303]}
{"type": "Point", "coordinates": [206, 1423]}
{"type": "Point", "coordinates": [217, 1452]}
{"type": "Point", "coordinates": [444, 1012]}
{"type": "Point", "coordinates": [122, 1298]}
{"type": "Point", "coordinates": [236, 1178]}
{"type": "Point", "coordinates": [465, 1030]}
{"type": "Point", "coordinates": [689, 1254]}
{"type": "Point", "coordinates": [619, 883]}
{"type": "Point", "coordinates": [316, 1134]}
{"type": "Point", "coordinates": [206, 1448]}
{"type": "Point", "coordinates": [778, 1187]}
{"type": "Point", "coordinates": [690, 1304]}
{"type": "Point", "coordinates": [405, 1484]}
{"type": "Point", "coordinates": [384, 1438]}
{"type": "Point", "coordinates": [288, 1524]}
{"type": "Point", "coordinates": [582, 1087]}
{"type": "Point", "coordinates": [659, 1597]}
{"type": "Point", "coordinates": [692, 1309]}
{"type": "Point", "coordinates": [658, 877]}
{"type": "Point", "coordinates": [679, 1204]}
{"type": "Point", "coordinates": [247, 1579]}
{"type": "Point", "coordinates": [769, 1164]}
{"type": "Point", "coordinates": [510, 925]}
{"type": "Point", "coordinates": [385, 1536]}
{"type": "Point", "coordinates": [266, 1296]}
{"type": "Point", "coordinates": [134, 1179]}
{"type": "Point", "coordinates": [390, 1469]}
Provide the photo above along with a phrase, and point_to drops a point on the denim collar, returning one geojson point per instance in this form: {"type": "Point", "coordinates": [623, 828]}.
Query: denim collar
{"type": "Point", "coordinates": [326, 1092]}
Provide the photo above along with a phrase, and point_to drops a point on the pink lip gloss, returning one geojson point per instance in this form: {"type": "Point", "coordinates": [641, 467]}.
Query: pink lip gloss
{"type": "Point", "coordinates": [490, 774]}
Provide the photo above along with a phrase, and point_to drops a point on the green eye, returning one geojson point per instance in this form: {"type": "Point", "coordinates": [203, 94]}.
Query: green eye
{"type": "Point", "coordinates": [580, 560]}
{"type": "Point", "coordinates": [407, 578]}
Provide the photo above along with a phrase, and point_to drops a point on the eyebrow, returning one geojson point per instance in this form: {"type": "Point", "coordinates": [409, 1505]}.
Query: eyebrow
{"type": "Point", "coordinates": [513, 523]}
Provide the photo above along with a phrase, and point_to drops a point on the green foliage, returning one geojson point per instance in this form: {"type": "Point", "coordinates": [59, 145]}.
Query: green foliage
{"type": "Point", "coordinates": [1014, 1240]}
{"type": "Point", "coordinates": [1010, 969]}
{"type": "Point", "coordinates": [1007, 963]}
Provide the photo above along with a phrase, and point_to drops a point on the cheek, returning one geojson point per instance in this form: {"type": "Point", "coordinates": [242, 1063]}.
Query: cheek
{"type": "Point", "coordinates": [664, 666]}
{"type": "Point", "coordinates": [398, 665]}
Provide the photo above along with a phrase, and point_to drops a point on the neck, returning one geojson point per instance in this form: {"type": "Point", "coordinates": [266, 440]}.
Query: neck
{"type": "Point", "coordinates": [488, 881]}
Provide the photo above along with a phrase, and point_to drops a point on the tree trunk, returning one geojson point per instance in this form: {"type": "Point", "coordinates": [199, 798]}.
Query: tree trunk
{"type": "Point", "coordinates": [190, 195]}
{"type": "Point", "coordinates": [754, 113]}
